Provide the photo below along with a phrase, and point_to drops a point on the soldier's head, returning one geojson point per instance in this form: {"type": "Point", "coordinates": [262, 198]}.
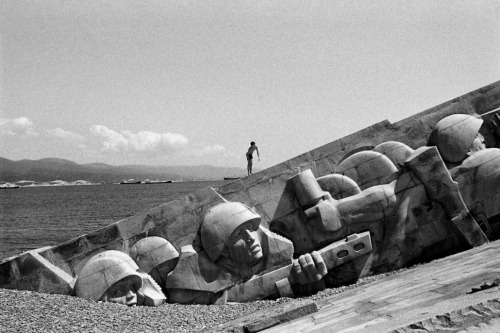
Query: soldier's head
{"type": "Point", "coordinates": [112, 276]}
{"type": "Point", "coordinates": [230, 231]}
{"type": "Point", "coordinates": [155, 256]}
{"type": "Point", "coordinates": [457, 136]}
{"type": "Point", "coordinates": [479, 180]}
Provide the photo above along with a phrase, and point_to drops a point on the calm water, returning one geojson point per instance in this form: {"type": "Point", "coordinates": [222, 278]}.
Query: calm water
{"type": "Point", "coordinates": [44, 216]}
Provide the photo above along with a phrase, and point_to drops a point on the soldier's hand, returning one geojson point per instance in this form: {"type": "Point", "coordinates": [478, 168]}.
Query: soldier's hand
{"type": "Point", "coordinates": [309, 268]}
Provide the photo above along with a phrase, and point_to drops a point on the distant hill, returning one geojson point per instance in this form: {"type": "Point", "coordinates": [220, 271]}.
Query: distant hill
{"type": "Point", "coordinates": [47, 169]}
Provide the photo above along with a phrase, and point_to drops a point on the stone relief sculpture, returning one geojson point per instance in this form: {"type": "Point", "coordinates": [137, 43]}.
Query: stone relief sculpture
{"type": "Point", "coordinates": [156, 256]}
{"type": "Point", "coordinates": [457, 137]}
{"type": "Point", "coordinates": [238, 251]}
{"type": "Point", "coordinates": [233, 238]}
{"type": "Point", "coordinates": [385, 198]}
{"type": "Point", "coordinates": [112, 276]}
{"type": "Point", "coordinates": [478, 174]}
{"type": "Point", "coordinates": [237, 248]}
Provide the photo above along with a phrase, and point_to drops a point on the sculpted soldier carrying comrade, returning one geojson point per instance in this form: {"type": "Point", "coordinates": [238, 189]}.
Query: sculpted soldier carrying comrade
{"type": "Point", "coordinates": [398, 198]}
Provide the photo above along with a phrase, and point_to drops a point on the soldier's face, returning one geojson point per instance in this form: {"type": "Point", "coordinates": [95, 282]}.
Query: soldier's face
{"type": "Point", "coordinates": [477, 144]}
{"type": "Point", "coordinates": [244, 244]}
{"type": "Point", "coordinates": [125, 291]}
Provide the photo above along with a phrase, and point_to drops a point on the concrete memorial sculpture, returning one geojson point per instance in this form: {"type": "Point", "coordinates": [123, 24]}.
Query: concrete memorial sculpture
{"type": "Point", "coordinates": [457, 136]}
{"type": "Point", "coordinates": [112, 276]}
{"type": "Point", "coordinates": [395, 213]}
{"type": "Point", "coordinates": [156, 256]}
{"type": "Point", "coordinates": [384, 198]}
{"type": "Point", "coordinates": [248, 260]}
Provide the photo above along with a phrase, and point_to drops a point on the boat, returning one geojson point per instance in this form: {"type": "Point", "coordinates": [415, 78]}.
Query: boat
{"type": "Point", "coordinates": [232, 178]}
{"type": "Point", "coordinates": [157, 181]}
{"type": "Point", "coordinates": [130, 181]}
{"type": "Point", "coordinates": [9, 186]}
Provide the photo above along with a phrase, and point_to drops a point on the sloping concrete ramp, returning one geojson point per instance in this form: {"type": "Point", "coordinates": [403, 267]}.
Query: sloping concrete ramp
{"type": "Point", "coordinates": [459, 293]}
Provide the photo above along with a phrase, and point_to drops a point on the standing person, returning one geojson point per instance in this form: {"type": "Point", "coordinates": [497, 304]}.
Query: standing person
{"type": "Point", "coordinates": [250, 151]}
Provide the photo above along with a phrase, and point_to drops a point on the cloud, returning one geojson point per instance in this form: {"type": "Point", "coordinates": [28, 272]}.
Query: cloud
{"type": "Point", "coordinates": [213, 154]}
{"type": "Point", "coordinates": [113, 141]}
{"type": "Point", "coordinates": [150, 141]}
{"type": "Point", "coordinates": [17, 126]}
{"type": "Point", "coordinates": [63, 134]}
{"type": "Point", "coordinates": [144, 141]}
{"type": "Point", "coordinates": [209, 150]}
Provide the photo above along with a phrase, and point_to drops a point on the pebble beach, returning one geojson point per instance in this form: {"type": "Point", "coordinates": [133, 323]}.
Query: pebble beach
{"type": "Point", "coordinates": [25, 311]}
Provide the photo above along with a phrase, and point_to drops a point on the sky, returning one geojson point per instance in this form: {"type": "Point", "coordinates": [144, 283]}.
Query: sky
{"type": "Point", "coordinates": [194, 82]}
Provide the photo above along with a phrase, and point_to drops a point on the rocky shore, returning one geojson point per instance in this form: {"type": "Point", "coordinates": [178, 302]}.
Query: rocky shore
{"type": "Point", "coordinates": [25, 311]}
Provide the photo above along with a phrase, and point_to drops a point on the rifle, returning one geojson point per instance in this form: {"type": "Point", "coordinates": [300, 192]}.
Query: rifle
{"type": "Point", "coordinates": [280, 280]}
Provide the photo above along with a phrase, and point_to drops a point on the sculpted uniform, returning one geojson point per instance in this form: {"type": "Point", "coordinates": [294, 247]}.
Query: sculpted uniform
{"type": "Point", "coordinates": [203, 277]}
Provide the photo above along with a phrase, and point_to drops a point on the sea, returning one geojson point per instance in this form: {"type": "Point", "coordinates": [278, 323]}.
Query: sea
{"type": "Point", "coordinates": [34, 217]}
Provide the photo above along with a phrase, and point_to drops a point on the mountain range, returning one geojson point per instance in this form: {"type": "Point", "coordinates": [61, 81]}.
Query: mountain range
{"type": "Point", "coordinates": [48, 169]}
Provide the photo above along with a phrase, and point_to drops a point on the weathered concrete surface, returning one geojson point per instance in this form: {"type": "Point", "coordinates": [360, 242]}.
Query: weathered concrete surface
{"type": "Point", "coordinates": [483, 317]}
{"type": "Point", "coordinates": [423, 299]}
{"type": "Point", "coordinates": [267, 318]}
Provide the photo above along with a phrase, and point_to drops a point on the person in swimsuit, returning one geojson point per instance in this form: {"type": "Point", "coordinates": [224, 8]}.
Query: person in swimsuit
{"type": "Point", "coordinates": [249, 155]}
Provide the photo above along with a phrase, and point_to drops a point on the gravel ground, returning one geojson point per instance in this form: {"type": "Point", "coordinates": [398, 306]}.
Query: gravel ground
{"type": "Point", "coordinates": [25, 311]}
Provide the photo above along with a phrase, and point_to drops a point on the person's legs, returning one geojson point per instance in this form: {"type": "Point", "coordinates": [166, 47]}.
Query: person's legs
{"type": "Point", "coordinates": [249, 165]}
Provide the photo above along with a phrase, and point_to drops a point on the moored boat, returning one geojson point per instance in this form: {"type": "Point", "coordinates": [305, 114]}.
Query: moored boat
{"type": "Point", "coordinates": [157, 181]}
{"type": "Point", "coordinates": [130, 181]}
{"type": "Point", "coordinates": [8, 186]}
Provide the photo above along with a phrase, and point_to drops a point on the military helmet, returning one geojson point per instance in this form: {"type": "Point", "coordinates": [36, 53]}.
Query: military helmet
{"type": "Point", "coordinates": [219, 223]}
{"type": "Point", "coordinates": [454, 135]}
{"type": "Point", "coordinates": [102, 271]}
{"type": "Point", "coordinates": [151, 252]}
